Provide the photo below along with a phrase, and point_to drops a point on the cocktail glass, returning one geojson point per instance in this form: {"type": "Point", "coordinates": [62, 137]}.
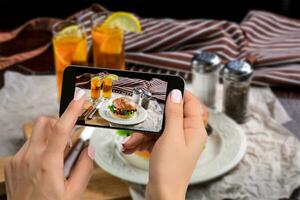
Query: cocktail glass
{"type": "Point", "coordinates": [70, 47]}
{"type": "Point", "coordinates": [108, 50]}
{"type": "Point", "coordinates": [107, 87]}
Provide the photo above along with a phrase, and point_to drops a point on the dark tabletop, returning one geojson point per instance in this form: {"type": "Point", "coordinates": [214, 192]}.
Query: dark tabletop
{"type": "Point", "coordinates": [43, 64]}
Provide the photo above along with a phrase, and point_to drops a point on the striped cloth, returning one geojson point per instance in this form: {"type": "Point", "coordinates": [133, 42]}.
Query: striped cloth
{"type": "Point", "coordinates": [125, 85]}
{"type": "Point", "coordinates": [270, 42]}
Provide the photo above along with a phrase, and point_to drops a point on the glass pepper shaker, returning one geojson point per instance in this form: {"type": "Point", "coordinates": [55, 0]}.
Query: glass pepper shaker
{"type": "Point", "coordinates": [236, 79]}
{"type": "Point", "coordinates": [205, 67]}
{"type": "Point", "coordinates": [146, 97]}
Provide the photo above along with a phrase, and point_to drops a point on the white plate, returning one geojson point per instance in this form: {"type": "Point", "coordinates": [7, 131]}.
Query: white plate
{"type": "Point", "coordinates": [224, 150]}
{"type": "Point", "coordinates": [138, 117]}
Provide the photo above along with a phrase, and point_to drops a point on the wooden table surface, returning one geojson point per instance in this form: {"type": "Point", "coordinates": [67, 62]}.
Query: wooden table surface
{"type": "Point", "coordinates": [43, 64]}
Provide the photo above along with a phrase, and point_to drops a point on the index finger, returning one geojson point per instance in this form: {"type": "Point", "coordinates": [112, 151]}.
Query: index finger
{"type": "Point", "coordinates": [192, 106]}
{"type": "Point", "coordinates": [65, 124]}
{"type": "Point", "coordinates": [195, 133]}
{"type": "Point", "coordinates": [139, 141]}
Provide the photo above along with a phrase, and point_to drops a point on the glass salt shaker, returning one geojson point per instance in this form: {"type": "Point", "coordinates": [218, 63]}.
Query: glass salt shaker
{"type": "Point", "coordinates": [205, 67]}
{"type": "Point", "coordinates": [137, 95]}
{"type": "Point", "coordinates": [236, 79]}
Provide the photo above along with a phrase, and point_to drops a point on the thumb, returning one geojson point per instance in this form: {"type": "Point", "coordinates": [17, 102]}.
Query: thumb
{"type": "Point", "coordinates": [174, 113]}
{"type": "Point", "coordinates": [81, 174]}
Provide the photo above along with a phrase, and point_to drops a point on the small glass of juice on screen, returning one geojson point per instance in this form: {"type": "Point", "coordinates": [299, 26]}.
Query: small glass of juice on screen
{"type": "Point", "coordinates": [96, 83]}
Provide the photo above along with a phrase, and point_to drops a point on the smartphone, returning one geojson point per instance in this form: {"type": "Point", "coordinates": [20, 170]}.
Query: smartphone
{"type": "Point", "coordinates": [120, 99]}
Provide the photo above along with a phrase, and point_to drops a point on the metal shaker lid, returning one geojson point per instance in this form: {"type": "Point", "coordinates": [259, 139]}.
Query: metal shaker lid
{"type": "Point", "coordinates": [147, 94]}
{"type": "Point", "coordinates": [137, 91]}
{"type": "Point", "coordinates": [237, 70]}
{"type": "Point", "coordinates": [205, 62]}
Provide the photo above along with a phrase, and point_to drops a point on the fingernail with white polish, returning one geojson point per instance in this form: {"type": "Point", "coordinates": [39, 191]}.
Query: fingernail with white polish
{"type": "Point", "coordinates": [176, 96]}
{"type": "Point", "coordinates": [126, 139]}
{"type": "Point", "coordinates": [91, 152]}
{"type": "Point", "coordinates": [79, 93]}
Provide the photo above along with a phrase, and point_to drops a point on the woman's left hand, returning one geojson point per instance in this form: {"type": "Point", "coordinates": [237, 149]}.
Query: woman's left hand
{"type": "Point", "coordinates": [36, 171]}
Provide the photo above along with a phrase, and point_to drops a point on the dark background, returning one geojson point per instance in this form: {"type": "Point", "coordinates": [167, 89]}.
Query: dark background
{"type": "Point", "coordinates": [14, 13]}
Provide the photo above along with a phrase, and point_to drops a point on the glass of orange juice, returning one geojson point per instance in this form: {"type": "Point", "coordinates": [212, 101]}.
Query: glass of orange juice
{"type": "Point", "coordinates": [70, 47]}
{"type": "Point", "coordinates": [108, 50]}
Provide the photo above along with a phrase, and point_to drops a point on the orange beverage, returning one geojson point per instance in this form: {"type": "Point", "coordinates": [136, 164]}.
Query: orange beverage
{"type": "Point", "coordinates": [107, 87]}
{"type": "Point", "coordinates": [108, 51]}
{"type": "Point", "coordinates": [70, 47]}
{"type": "Point", "coordinates": [95, 87]}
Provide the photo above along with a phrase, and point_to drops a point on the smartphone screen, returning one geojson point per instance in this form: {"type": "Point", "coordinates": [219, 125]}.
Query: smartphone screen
{"type": "Point", "coordinates": [120, 99]}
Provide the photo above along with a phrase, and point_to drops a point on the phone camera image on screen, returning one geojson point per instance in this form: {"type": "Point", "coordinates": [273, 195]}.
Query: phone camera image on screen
{"type": "Point", "coordinates": [121, 100]}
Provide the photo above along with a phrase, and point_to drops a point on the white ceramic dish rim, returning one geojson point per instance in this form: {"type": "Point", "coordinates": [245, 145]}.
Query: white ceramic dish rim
{"type": "Point", "coordinates": [141, 176]}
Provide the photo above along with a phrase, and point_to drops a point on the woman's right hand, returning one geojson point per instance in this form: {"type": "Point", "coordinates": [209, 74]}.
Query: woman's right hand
{"type": "Point", "coordinates": [175, 153]}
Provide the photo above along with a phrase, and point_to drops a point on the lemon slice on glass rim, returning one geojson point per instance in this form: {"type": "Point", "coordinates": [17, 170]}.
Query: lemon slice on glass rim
{"type": "Point", "coordinates": [72, 30]}
{"type": "Point", "coordinates": [113, 77]}
{"type": "Point", "coordinates": [124, 21]}
{"type": "Point", "coordinates": [96, 78]}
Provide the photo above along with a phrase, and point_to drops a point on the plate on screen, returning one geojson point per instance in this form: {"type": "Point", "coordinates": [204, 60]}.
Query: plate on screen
{"type": "Point", "coordinates": [138, 117]}
{"type": "Point", "coordinates": [225, 147]}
